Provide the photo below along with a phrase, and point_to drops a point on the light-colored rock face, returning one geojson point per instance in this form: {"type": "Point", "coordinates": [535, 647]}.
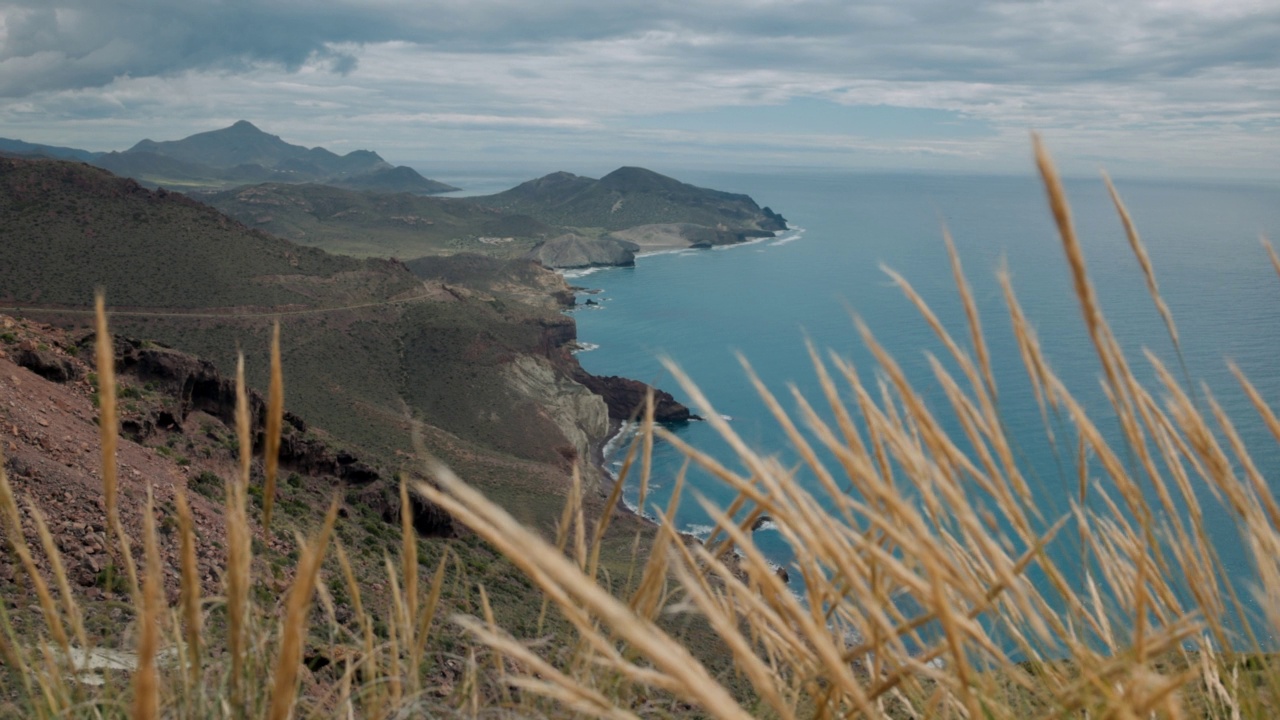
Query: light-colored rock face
{"type": "Point", "coordinates": [579, 413]}
{"type": "Point", "coordinates": [571, 251]}
{"type": "Point", "coordinates": [666, 236]}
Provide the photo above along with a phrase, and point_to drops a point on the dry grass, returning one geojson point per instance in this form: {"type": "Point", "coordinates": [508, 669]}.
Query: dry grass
{"type": "Point", "coordinates": [916, 563]}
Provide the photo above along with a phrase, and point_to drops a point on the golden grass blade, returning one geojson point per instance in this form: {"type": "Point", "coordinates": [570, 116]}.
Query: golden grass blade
{"type": "Point", "coordinates": [274, 424]}
{"type": "Point", "coordinates": [244, 423]}
{"type": "Point", "coordinates": [745, 659]}
{"type": "Point", "coordinates": [1271, 253]}
{"type": "Point", "coordinates": [569, 691]}
{"type": "Point", "coordinates": [284, 688]}
{"type": "Point", "coordinates": [1144, 261]}
{"type": "Point", "coordinates": [190, 599]}
{"type": "Point", "coordinates": [11, 647]}
{"type": "Point", "coordinates": [108, 429]}
{"type": "Point", "coordinates": [428, 615]}
{"type": "Point", "coordinates": [409, 574]}
{"type": "Point", "coordinates": [18, 543]}
{"type": "Point", "coordinates": [146, 677]}
{"type": "Point", "coordinates": [239, 550]}
{"type": "Point", "coordinates": [69, 606]}
{"type": "Point", "coordinates": [1084, 292]}
{"type": "Point", "coordinates": [553, 571]}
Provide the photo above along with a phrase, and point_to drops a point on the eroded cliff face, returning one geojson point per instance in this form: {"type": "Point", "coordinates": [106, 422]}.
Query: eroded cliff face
{"type": "Point", "coordinates": [581, 415]}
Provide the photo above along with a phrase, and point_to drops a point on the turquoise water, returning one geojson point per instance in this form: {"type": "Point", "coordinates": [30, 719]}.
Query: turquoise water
{"type": "Point", "coordinates": [762, 300]}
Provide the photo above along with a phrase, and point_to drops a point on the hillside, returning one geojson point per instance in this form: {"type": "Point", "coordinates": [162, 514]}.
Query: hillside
{"type": "Point", "coordinates": [379, 224]}
{"type": "Point", "coordinates": [629, 197]}
{"type": "Point", "coordinates": [477, 350]}
{"type": "Point", "coordinates": [70, 228]}
{"type": "Point", "coordinates": [178, 435]}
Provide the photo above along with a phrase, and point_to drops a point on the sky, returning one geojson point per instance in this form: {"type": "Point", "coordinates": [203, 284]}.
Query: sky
{"type": "Point", "coordinates": [1160, 88]}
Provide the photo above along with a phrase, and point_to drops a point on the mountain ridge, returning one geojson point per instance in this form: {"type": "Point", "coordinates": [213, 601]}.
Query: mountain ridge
{"type": "Point", "coordinates": [629, 197]}
{"type": "Point", "coordinates": [239, 154]}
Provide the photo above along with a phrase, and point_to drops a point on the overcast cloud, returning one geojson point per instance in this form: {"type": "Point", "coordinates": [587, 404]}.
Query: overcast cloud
{"type": "Point", "coordinates": [1179, 87]}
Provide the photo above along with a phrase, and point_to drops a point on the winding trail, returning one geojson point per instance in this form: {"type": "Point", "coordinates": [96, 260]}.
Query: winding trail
{"type": "Point", "coordinates": [20, 309]}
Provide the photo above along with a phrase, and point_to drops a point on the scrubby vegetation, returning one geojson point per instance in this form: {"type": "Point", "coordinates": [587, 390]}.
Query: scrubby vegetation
{"type": "Point", "coordinates": [628, 197]}
{"type": "Point", "coordinates": [70, 228]}
{"type": "Point", "coordinates": [379, 224]}
{"type": "Point", "coordinates": [930, 586]}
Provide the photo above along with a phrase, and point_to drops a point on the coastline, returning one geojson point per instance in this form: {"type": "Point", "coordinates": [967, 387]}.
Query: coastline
{"type": "Point", "coordinates": [602, 448]}
{"type": "Point", "coordinates": [618, 430]}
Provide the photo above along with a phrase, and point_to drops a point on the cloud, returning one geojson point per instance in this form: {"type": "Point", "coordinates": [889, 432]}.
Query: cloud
{"type": "Point", "coordinates": [576, 75]}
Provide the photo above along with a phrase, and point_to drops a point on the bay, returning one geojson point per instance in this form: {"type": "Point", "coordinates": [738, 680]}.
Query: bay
{"type": "Point", "coordinates": [765, 300]}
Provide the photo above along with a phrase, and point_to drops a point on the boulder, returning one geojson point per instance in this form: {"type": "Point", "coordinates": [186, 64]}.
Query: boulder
{"type": "Point", "coordinates": [47, 364]}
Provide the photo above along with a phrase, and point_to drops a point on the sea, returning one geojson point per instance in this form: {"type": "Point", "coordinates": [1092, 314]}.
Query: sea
{"type": "Point", "coordinates": [763, 301]}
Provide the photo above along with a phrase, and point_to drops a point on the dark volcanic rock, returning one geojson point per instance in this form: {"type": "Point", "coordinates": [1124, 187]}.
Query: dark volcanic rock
{"type": "Point", "coordinates": [625, 398]}
{"type": "Point", "coordinates": [428, 520]}
{"type": "Point", "coordinates": [196, 384]}
{"type": "Point", "coordinates": [47, 365]}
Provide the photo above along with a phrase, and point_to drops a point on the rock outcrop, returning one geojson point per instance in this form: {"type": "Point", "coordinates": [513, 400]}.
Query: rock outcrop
{"type": "Point", "coordinates": [674, 236]}
{"type": "Point", "coordinates": [195, 385]}
{"type": "Point", "coordinates": [579, 412]}
{"type": "Point", "coordinates": [625, 398]}
{"type": "Point", "coordinates": [47, 363]}
{"type": "Point", "coordinates": [577, 251]}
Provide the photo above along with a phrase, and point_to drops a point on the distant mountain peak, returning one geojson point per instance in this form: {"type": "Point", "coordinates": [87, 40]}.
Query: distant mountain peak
{"type": "Point", "coordinates": [638, 179]}
{"type": "Point", "coordinates": [244, 125]}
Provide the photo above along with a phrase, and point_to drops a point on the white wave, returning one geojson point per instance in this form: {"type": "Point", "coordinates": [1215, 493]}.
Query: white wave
{"type": "Point", "coordinates": [699, 531]}
{"type": "Point", "coordinates": [570, 274]}
{"type": "Point", "coordinates": [667, 251]}
{"type": "Point", "coordinates": [727, 418]}
{"type": "Point", "coordinates": [746, 243]}
{"type": "Point", "coordinates": [655, 519]}
{"type": "Point", "coordinates": [765, 526]}
{"type": "Point", "coordinates": [624, 435]}
{"type": "Point", "coordinates": [795, 235]}
{"type": "Point", "coordinates": [585, 347]}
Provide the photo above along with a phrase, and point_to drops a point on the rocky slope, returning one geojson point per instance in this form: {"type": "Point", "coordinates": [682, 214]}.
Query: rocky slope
{"type": "Point", "coordinates": [177, 436]}
{"type": "Point", "coordinates": [576, 251]}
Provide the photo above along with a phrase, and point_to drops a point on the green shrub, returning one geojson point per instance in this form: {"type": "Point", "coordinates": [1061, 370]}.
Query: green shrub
{"type": "Point", "coordinates": [208, 485]}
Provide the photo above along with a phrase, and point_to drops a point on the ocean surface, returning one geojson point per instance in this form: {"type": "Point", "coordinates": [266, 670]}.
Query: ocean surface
{"type": "Point", "coordinates": [763, 300]}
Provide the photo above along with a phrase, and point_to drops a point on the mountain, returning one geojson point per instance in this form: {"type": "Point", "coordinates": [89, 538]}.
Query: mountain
{"type": "Point", "coordinates": [629, 197]}
{"type": "Point", "coordinates": [395, 179]}
{"type": "Point", "coordinates": [238, 155]}
{"type": "Point", "coordinates": [19, 147]}
{"type": "Point", "coordinates": [244, 144]}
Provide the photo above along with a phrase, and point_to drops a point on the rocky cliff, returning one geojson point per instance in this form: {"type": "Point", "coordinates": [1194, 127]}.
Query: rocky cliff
{"type": "Point", "coordinates": [576, 251]}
